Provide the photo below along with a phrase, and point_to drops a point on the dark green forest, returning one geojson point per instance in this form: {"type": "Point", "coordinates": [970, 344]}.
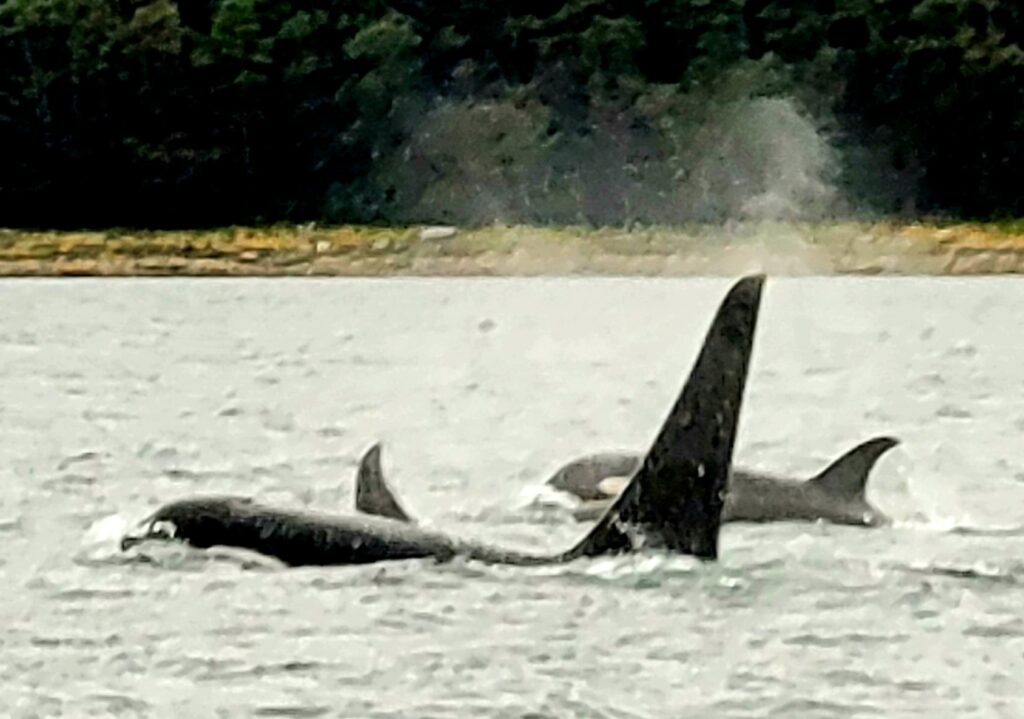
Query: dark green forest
{"type": "Point", "coordinates": [210, 112]}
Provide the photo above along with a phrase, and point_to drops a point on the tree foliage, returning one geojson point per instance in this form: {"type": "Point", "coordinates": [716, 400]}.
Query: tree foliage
{"type": "Point", "coordinates": [199, 112]}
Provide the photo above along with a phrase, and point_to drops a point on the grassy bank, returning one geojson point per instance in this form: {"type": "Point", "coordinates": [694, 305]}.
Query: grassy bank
{"type": "Point", "coordinates": [822, 248]}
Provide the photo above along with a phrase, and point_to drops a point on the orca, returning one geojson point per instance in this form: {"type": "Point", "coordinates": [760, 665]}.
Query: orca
{"type": "Point", "coordinates": [836, 494]}
{"type": "Point", "coordinates": [672, 502]}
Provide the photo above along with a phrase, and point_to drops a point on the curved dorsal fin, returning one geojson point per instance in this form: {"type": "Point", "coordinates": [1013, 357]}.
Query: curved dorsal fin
{"type": "Point", "coordinates": [847, 477]}
{"type": "Point", "coordinates": [373, 495]}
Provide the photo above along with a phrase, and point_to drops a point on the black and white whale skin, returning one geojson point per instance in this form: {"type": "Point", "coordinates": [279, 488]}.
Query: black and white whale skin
{"type": "Point", "coordinates": [672, 502]}
{"type": "Point", "coordinates": [837, 494]}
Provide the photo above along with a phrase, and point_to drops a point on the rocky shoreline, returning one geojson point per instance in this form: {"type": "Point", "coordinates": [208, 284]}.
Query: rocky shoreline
{"type": "Point", "coordinates": [309, 250]}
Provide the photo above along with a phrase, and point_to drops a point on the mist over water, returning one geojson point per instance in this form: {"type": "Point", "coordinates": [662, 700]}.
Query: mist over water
{"type": "Point", "coordinates": [121, 395]}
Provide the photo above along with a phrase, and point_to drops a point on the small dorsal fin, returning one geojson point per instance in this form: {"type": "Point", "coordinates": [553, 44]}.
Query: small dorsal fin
{"type": "Point", "coordinates": [373, 495]}
{"type": "Point", "coordinates": [674, 501]}
{"type": "Point", "coordinates": [847, 477]}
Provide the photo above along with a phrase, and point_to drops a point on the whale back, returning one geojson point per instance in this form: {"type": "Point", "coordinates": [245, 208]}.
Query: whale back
{"type": "Point", "coordinates": [295, 537]}
{"type": "Point", "coordinates": [837, 494]}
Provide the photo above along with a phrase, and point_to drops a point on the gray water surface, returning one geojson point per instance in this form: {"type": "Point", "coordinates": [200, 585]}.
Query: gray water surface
{"type": "Point", "coordinates": [118, 396]}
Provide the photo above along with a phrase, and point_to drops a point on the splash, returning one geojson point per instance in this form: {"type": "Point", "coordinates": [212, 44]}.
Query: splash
{"type": "Point", "coordinates": [544, 496]}
{"type": "Point", "coordinates": [106, 531]}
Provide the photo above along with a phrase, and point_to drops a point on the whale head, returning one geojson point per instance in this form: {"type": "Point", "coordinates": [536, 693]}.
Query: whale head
{"type": "Point", "coordinates": [196, 521]}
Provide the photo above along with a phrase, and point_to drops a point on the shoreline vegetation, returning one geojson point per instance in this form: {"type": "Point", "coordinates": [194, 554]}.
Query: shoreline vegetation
{"type": "Point", "coordinates": [878, 248]}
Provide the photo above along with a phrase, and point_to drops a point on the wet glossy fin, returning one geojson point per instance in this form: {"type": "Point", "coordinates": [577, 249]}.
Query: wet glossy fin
{"type": "Point", "coordinates": [373, 495]}
{"type": "Point", "coordinates": [674, 501]}
{"type": "Point", "coordinates": [847, 477]}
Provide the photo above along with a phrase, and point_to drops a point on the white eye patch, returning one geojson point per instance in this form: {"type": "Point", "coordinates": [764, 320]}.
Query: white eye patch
{"type": "Point", "coordinates": [162, 529]}
{"type": "Point", "coordinates": [611, 486]}
{"type": "Point", "coordinates": [159, 529]}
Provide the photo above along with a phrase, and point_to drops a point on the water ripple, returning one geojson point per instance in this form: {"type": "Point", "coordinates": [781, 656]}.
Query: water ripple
{"type": "Point", "coordinates": [272, 388]}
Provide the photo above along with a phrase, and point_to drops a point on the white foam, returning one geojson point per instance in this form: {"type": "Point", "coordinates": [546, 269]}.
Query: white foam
{"type": "Point", "coordinates": [105, 530]}
{"type": "Point", "coordinates": [543, 495]}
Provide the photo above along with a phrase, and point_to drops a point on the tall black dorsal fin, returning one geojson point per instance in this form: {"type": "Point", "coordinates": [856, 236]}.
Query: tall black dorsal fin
{"type": "Point", "coordinates": [674, 501]}
{"type": "Point", "coordinates": [847, 477]}
{"type": "Point", "coordinates": [373, 495]}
